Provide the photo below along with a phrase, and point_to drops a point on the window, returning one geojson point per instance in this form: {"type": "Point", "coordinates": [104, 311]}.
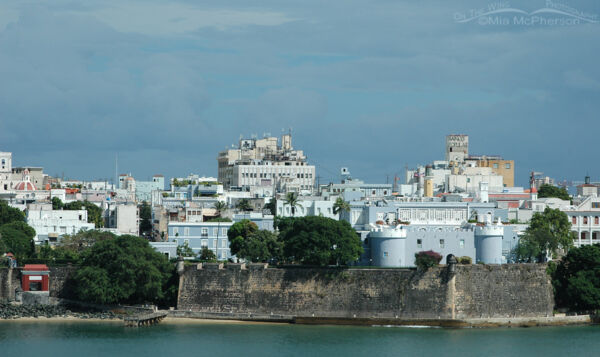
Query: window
{"type": "Point", "coordinates": [223, 243]}
{"type": "Point", "coordinates": [507, 166]}
{"type": "Point", "coordinates": [596, 220]}
{"type": "Point", "coordinates": [585, 220]}
{"type": "Point", "coordinates": [574, 220]}
{"type": "Point", "coordinates": [214, 243]}
{"type": "Point", "coordinates": [496, 165]}
{"type": "Point", "coordinates": [595, 204]}
{"type": "Point", "coordinates": [186, 231]}
{"type": "Point", "coordinates": [224, 231]}
{"type": "Point", "coordinates": [419, 243]}
{"type": "Point", "coordinates": [385, 254]}
{"type": "Point", "coordinates": [175, 230]}
{"type": "Point", "coordinates": [204, 232]}
{"type": "Point", "coordinates": [204, 243]}
{"type": "Point", "coordinates": [441, 243]}
{"type": "Point", "coordinates": [215, 232]}
{"type": "Point", "coordinates": [186, 242]}
{"type": "Point", "coordinates": [461, 243]}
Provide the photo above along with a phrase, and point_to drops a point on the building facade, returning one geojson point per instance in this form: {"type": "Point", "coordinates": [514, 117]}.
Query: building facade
{"type": "Point", "coordinates": [265, 163]}
{"type": "Point", "coordinates": [197, 235]}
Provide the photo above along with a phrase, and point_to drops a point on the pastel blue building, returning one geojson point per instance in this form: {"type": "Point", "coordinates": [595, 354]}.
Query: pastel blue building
{"type": "Point", "coordinates": [212, 235]}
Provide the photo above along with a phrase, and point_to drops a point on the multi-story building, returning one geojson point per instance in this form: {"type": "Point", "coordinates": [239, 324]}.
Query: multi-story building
{"type": "Point", "coordinates": [124, 218]}
{"type": "Point", "coordinates": [198, 235]}
{"type": "Point", "coordinates": [457, 148]}
{"type": "Point", "coordinates": [264, 162]}
{"type": "Point", "coordinates": [504, 168]}
{"type": "Point", "coordinates": [585, 221]}
{"type": "Point", "coordinates": [51, 224]}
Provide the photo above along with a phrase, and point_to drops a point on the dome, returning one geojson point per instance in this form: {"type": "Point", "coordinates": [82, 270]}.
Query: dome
{"type": "Point", "coordinates": [24, 186]}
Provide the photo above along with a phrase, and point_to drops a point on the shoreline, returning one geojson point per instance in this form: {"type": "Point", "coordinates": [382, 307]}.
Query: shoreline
{"type": "Point", "coordinates": [59, 319]}
{"type": "Point", "coordinates": [522, 322]}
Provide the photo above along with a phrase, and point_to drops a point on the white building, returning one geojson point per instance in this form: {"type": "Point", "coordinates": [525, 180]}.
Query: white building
{"type": "Point", "coordinates": [307, 206]}
{"type": "Point", "coordinates": [585, 221]}
{"type": "Point", "coordinates": [469, 179]}
{"type": "Point", "coordinates": [125, 218]}
{"type": "Point", "coordinates": [265, 163]}
{"type": "Point", "coordinates": [50, 224]}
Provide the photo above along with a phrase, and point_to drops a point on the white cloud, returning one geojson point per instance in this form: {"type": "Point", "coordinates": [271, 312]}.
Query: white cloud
{"type": "Point", "coordinates": [177, 18]}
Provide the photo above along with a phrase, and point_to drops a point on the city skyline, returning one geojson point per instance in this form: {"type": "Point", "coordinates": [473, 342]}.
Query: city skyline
{"type": "Point", "coordinates": [372, 87]}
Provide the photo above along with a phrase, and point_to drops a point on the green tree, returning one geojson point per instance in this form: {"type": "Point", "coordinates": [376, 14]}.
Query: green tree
{"type": "Point", "coordinates": [125, 269]}
{"type": "Point", "coordinates": [94, 212]}
{"type": "Point", "coordinates": [319, 241]}
{"type": "Point", "coordinates": [145, 219]}
{"type": "Point", "coordinates": [185, 250]}
{"type": "Point", "coordinates": [207, 255]}
{"type": "Point", "coordinates": [244, 205]}
{"type": "Point", "coordinates": [238, 233]}
{"type": "Point", "coordinates": [77, 243]}
{"type": "Point", "coordinates": [260, 246]}
{"type": "Point", "coordinates": [221, 207]}
{"type": "Point", "coordinates": [340, 206]}
{"type": "Point", "coordinates": [547, 233]}
{"type": "Point", "coordinates": [576, 279]}
{"type": "Point", "coordinates": [10, 214]}
{"type": "Point", "coordinates": [57, 204]}
{"type": "Point", "coordinates": [291, 199]}
{"type": "Point", "coordinates": [17, 238]}
{"type": "Point", "coordinates": [271, 206]}
{"type": "Point", "coordinates": [219, 219]}
{"type": "Point", "coordinates": [547, 190]}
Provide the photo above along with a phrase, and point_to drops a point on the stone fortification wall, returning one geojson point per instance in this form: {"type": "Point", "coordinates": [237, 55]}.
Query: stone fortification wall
{"type": "Point", "coordinates": [511, 290]}
{"type": "Point", "coordinates": [473, 292]}
{"type": "Point", "coordinates": [60, 284]}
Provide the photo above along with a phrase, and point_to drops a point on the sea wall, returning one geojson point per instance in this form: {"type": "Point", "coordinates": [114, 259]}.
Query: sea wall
{"type": "Point", "coordinates": [60, 282]}
{"type": "Point", "coordinates": [474, 291]}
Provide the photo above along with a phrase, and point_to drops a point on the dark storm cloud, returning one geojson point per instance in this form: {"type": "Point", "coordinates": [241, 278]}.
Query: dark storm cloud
{"type": "Point", "coordinates": [370, 85]}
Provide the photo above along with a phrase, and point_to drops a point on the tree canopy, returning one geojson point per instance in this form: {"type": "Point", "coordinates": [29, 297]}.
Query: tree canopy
{"type": "Point", "coordinates": [340, 206]}
{"type": "Point", "coordinates": [16, 236]}
{"type": "Point", "coordinates": [291, 199]}
{"type": "Point", "coordinates": [547, 190]}
{"type": "Point", "coordinates": [125, 269]}
{"type": "Point", "coordinates": [145, 219]}
{"type": "Point", "coordinates": [10, 214]}
{"type": "Point", "coordinates": [547, 233]}
{"type": "Point", "coordinates": [576, 279]}
{"type": "Point", "coordinates": [317, 240]}
{"type": "Point", "coordinates": [244, 205]}
{"type": "Point", "coordinates": [17, 240]}
{"type": "Point", "coordinates": [246, 241]}
{"type": "Point", "coordinates": [94, 212]}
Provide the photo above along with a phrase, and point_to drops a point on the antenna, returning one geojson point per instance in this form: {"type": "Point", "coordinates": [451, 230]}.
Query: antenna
{"type": "Point", "coordinates": [116, 172]}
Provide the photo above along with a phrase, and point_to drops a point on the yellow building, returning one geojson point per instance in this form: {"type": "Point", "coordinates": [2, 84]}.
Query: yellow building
{"type": "Point", "coordinates": [504, 168]}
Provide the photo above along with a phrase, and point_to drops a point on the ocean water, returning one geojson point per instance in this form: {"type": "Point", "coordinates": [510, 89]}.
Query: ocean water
{"type": "Point", "coordinates": [87, 339]}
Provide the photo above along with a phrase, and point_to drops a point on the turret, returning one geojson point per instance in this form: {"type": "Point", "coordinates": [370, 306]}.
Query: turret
{"type": "Point", "coordinates": [488, 242]}
{"type": "Point", "coordinates": [388, 246]}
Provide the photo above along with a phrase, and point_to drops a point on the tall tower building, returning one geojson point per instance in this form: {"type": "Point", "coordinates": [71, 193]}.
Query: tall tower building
{"type": "Point", "coordinates": [457, 148]}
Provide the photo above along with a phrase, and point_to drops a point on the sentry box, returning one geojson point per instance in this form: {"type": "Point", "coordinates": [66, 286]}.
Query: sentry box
{"type": "Point", "coordinates": [35, 277]}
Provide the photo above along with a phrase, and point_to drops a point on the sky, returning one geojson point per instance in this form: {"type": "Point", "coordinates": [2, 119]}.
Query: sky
{"type": "Point", "coordinates": [374, 86]}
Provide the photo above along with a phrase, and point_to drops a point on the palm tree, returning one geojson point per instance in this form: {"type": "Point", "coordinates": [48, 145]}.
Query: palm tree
{"type": "Point", "coordinates": [244, 205]}
{"type": "Point", "coordinates": [291, 198]}
{"type": "Point", "coordinates": [221, 207]}
{"type": "Point", "coordinates": [340, 205]}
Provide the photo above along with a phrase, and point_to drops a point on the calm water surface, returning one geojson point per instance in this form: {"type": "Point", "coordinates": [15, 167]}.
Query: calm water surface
{"type": "Point", "coordinates": [86, 339]}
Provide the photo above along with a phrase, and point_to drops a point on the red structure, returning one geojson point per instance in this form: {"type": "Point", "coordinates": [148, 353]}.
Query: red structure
{"type": "Point", "coordinates": [35, 277]}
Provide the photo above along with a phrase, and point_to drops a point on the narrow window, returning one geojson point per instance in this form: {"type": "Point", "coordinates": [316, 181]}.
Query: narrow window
{"type": "Point", "coordinates": [441, 243]}
{"type": "Point", "coordinates": [462, 243]}
{"type": "Point", "coordinates": [419, 243]}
